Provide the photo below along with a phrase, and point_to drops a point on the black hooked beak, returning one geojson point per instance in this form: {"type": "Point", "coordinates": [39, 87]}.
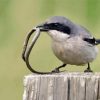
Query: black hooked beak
{"type": "Point", "coordinates": [43, 27]}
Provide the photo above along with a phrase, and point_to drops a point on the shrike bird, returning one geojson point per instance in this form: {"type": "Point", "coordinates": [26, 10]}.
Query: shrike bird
{"type": "Point", "coordinates": [71, 43]}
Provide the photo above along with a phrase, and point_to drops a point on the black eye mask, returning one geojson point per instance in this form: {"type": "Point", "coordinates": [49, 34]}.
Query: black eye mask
{"type": "Point", "coordinates": [58, 27]}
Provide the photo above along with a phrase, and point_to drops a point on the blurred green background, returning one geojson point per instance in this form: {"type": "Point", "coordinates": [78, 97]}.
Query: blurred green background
{"type": "Point", "coordinates": [17, 17]}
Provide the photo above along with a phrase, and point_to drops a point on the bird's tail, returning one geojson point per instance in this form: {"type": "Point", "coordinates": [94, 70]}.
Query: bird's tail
{"type": "Point", "coordinates": [97, 41]}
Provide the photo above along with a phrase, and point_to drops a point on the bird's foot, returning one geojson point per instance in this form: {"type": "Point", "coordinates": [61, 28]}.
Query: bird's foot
{"type": "Point", "coordinates": [56, 70]}
{"type": "Point", "coordinates": [88, 70]}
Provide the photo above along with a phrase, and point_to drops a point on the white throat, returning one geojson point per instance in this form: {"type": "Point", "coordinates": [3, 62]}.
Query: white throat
{"type": "Point", "coordinates": [57, 35]}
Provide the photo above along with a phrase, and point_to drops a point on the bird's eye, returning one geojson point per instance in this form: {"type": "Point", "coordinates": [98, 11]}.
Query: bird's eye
{"type": "Point", "coordinates": [55, 24]}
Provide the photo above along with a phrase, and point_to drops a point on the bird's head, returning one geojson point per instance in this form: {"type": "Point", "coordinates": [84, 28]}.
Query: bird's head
{"type": "Point", "coordinates": [57, 27]}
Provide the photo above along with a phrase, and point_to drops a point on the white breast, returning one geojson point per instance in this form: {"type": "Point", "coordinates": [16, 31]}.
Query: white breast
{"type": "Point", "coordinates": [74, 51]}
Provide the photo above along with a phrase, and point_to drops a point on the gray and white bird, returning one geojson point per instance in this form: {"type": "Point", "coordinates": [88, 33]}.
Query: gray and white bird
{"type": "Point", "coordinates": [71, 43]}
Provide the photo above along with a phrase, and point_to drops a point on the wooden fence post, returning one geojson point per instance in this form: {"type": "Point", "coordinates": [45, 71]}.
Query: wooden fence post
{"type": "Point", "coordinates": [62, 86]}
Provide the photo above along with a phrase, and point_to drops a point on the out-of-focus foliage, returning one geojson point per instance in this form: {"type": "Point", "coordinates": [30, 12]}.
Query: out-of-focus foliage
{"type": "Point", "coordinates": [17, 17]}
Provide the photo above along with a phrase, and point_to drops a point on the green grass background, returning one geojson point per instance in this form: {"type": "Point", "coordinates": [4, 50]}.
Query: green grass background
{"type": "Point", "coordinates": [17, 17]}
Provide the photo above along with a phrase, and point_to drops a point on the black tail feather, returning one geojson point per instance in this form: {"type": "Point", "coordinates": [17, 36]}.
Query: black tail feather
{"type": "Point", "coordinates": [97, 41]}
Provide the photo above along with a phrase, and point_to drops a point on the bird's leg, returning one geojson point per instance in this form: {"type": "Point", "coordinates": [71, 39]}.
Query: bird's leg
{"type": "Point", "coordinates": [88, 69]}
{"type": "Point", "coordinates": [56, 70]}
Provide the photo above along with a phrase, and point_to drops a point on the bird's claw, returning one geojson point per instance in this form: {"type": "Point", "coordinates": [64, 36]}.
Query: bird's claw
{"type": "Point", "coordinates": [56, 70]}
{"type": "Point", "coordinates": [88, 70]}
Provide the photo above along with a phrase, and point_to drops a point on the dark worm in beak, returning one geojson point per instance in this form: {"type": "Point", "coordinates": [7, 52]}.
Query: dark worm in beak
{"type": "Point", "coordinates": [27, 49]}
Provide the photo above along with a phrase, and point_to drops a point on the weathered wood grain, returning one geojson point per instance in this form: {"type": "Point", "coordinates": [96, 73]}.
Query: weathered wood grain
{"type": "Point", "coordinates": [62, 86]}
